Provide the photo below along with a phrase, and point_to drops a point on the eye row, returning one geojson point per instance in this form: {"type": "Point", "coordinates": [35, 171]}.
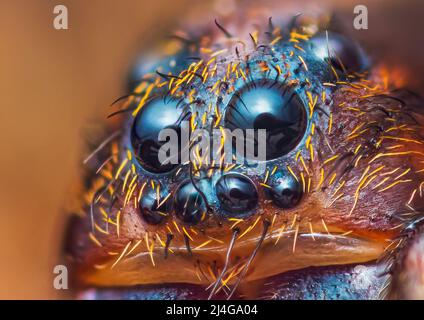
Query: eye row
{"type": "Point", "coordinates": [237, 196]}
{"type": "Point", "coordinates": [262, 104]}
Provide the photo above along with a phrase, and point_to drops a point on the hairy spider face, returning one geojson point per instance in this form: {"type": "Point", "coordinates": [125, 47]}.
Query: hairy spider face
{"type": "Point", "coordinates": [341, 184]}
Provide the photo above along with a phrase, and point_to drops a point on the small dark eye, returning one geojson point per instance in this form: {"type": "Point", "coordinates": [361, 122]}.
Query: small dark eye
{"type": "Point", "coordinates": [343, 53]}
{"type": "Point", "coordinates": [285, 191]}
{"type": "Point", "coordinates": [269, 105]}
{"type": "Point", "coordinates": [153, 211]}
{"type": "Point", "coordinates": [153, 117]}
{"type": "Point", "coordinates": [236, 193]}
{"type": "Point", "coordinates": [151, 62]}
{"type": "Point", "coordinates": [188, 203]}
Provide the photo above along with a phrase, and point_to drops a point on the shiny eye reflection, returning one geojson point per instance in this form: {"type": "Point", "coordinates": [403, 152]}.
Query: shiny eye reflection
{"type": "Point", "coordinates": [153, 210]}
{"type": "Point", "coordinates": [153, 117]}
{"type": "Point", "coordinates": [285, 191]}
{"type": "Point", "coordinates": [237, 194]}
{"type": "Point", "coordinates": [188, 203]}
{"type": "Point", "coordinates": [342, 53]}
{"type": "Point", "coordinates": [268, 105]}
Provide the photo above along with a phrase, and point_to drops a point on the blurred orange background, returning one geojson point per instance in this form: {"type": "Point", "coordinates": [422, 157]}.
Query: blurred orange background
{"type": "Point", "coordinates": [56, 83]}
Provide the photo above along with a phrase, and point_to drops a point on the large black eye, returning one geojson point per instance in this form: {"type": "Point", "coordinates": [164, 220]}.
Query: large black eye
{"type": "Point", "coordinates": [268, 105]}
{"type": "Point", "coordinates": [236, 193]}
{"type": "Point", "coordinates": [154, 211]}
{"type": "Point", "coordinates": [343, 53]}
{"type": "Point", "coordinates": [285, 191]}
{"type": "Point", "coordinates": [153, 117]}
{"type": "Point", "coordinates": [189, 204]}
